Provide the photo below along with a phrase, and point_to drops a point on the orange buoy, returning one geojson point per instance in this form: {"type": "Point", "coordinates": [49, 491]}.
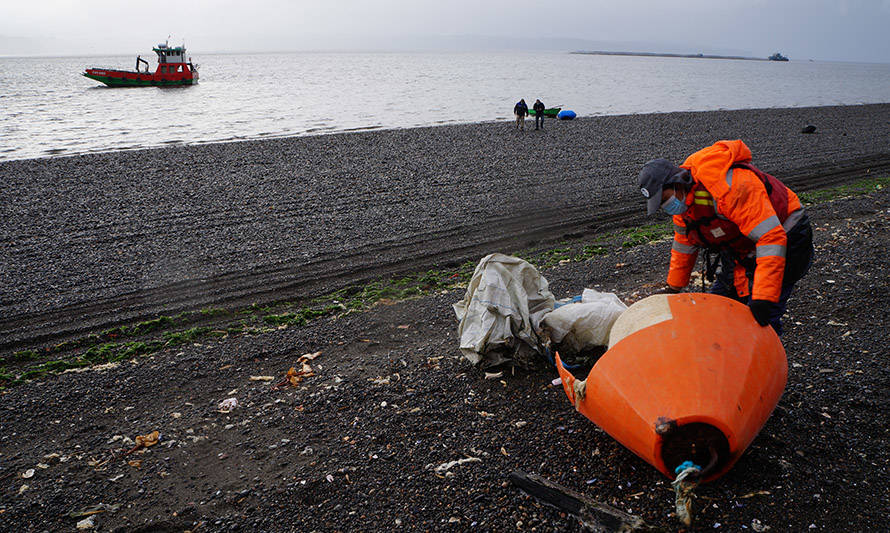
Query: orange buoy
{"type": "Point", "coordinates": [687, 377]}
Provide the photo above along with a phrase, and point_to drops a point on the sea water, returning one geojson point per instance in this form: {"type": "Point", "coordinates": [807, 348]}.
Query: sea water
{"type": "Point", "coordinates": [47, 108]}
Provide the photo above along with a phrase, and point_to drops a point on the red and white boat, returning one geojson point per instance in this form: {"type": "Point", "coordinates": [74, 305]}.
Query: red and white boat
{"type": "Point", "coordinates": [173, 69]}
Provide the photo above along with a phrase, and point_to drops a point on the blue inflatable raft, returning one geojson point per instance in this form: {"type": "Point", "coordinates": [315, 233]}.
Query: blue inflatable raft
{"type": "Point", "coordinates": [566, 114]}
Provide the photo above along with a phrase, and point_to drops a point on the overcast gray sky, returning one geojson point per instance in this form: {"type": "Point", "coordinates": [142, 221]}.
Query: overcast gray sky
{"type": "Point", "coordinates": [846, 30]}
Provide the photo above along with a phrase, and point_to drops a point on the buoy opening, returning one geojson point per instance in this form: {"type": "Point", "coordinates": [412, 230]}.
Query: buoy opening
{"type": "Point", "coordinates": [701, 443]}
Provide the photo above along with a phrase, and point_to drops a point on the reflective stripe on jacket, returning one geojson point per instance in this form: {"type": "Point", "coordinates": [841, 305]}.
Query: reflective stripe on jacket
{"type": "Point", "coordinates": [741, 198]}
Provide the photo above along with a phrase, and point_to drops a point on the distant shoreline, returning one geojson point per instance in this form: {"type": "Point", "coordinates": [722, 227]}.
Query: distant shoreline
{"type": "Point", "coordinates": [664, 54]}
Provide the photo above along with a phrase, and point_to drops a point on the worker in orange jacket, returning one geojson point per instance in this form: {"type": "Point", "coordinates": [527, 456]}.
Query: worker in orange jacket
{"type": "Point", "coordinates": [723, 204]}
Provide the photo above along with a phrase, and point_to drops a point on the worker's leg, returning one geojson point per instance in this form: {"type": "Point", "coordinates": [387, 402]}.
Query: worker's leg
{"type": "Point", "coordinates": [724, 284]}
{"type": "Point", "coordinates": [799, 257]}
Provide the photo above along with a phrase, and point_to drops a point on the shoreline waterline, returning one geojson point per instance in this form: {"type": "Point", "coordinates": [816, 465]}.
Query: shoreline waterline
{"type": "Point", "coordinates": [507, 121]}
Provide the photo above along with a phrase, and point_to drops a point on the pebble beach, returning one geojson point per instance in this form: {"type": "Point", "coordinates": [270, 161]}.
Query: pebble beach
{"type": "Point", "coordinates": [139, 226]}
{"type": "Point", "coordinates": [394, 430]}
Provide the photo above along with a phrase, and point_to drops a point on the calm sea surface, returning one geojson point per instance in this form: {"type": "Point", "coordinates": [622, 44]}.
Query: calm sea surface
{"type": "Point", "coordinates": [47, 108]}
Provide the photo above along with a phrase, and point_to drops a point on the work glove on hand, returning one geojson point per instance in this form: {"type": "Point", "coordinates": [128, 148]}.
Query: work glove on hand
{"type": "Point", "coordinates": [667, 289]}
{"type": "Point", "coordinates": [761, 309]}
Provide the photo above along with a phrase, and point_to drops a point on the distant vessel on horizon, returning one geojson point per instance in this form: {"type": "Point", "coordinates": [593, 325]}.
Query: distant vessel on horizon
{"type": "Point", "coordinates": [172, 70]}
{"type": "Point", "coordinates": [778, 57]}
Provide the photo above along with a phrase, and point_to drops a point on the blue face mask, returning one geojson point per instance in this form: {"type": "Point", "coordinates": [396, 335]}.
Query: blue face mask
{"type": "Point", "coordinates": [674, 206]}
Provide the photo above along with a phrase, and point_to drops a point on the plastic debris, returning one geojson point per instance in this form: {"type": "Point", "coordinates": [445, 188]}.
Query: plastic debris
{"type": "Point", "coordinates": [87, 523]}
{"type": "Point", "coordinates": [227, 405]}
{"type": "Point", "coordinates": [444, 467]}
{"type": "Point", "coordinates": [146, 441]}
{"type": "Point", "coordinates": [95, 509]}
{"type": "Point", "coordinates": [759, 526]}
{"type": "Point", "coordinates": [294, 377]}
{"type": "Point", "coordinates": [29, 473]}
{"type": "Point", "coordinates": [262, 378]}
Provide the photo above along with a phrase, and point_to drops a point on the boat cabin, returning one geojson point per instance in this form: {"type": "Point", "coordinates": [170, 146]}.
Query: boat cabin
{"type": "Point", "coordinates": [172, 60]}
{"type": "Point", "coordinates": [167, 54]}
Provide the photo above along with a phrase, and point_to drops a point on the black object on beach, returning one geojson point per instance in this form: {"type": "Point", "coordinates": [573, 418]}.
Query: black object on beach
{"type": "Point", "coordinates": [593, 515]}
{"type": "Point", "coordinates": [809, 128]}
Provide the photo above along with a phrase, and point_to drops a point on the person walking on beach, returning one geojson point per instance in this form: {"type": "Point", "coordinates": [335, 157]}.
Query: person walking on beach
{"type": "Point", "coordinates": [520, 110]}
{"type": "Point", "coordinates": [756, 225]}
{"type": "Point", "coordinates": [539, 113]}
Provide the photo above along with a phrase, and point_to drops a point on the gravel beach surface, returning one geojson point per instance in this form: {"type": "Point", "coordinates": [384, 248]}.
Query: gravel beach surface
{"type": "Point", "coordinates": [395, 431]}
{"type": "Point", "coordinates": [97, 240]}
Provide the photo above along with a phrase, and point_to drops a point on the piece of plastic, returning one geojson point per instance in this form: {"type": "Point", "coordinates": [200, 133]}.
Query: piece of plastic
{"type": "Point", "coordinates": [586, 324]}
{"type": "Point", "coordinates": [688, 377]}
{"type": "Point", "coordinates": [502, 310]}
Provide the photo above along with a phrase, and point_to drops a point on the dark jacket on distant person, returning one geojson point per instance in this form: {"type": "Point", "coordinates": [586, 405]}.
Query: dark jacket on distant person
{"type": "Point", "coordinates": [539, 108]}
{"type": "Point", "coordinates": [520, 109]}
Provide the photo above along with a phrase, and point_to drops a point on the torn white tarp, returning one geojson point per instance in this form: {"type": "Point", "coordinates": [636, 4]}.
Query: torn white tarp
{"type": "Point", "coordinates": [586, 324]}
{"type": "Point", "coordinates": [504, 304]}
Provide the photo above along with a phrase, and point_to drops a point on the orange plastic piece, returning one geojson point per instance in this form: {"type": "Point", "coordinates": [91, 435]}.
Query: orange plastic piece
{"type": "Point", "coordinates": [698, 385]}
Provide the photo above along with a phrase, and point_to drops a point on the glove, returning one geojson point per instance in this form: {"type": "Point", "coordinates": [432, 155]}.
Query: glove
{"type": "Point", "coordinates": [667, 289]}
{"type": "Point", "coordinates": [761, 309]}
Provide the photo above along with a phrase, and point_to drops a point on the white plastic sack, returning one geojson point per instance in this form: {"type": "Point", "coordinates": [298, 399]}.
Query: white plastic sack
{"type": "Point", "coordinates": [586, 324]}
{"type": "Point", "coordinates": [503, 306]}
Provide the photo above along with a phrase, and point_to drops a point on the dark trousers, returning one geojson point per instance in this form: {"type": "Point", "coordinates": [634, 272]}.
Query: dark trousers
{"type": "Point", "coordinates": [798, 258]}
{"type": "Point", "coordinates": [539, 117]}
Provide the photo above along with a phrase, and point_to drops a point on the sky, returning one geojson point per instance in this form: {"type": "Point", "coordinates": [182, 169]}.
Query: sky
{"type": "Point", "coordinates": [833, 30]}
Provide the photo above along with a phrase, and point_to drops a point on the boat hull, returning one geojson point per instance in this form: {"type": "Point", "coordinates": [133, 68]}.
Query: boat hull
{"type": "Point", "coordinates": [124, 78]}
{"type": "Point", "coordinates": [693, 377]}
{"type": "Point", "coordinates": [551, 112]}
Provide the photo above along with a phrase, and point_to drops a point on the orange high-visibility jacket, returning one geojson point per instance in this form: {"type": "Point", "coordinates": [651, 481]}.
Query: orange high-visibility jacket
{"type": "Point", "coordinates": [740, 197]}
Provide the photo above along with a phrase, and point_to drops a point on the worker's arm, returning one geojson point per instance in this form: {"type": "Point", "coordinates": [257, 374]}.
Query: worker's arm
{"type": "Point", "coordinates": [683, 255]}
{"type": "Point", "coordinates": [747, 205]}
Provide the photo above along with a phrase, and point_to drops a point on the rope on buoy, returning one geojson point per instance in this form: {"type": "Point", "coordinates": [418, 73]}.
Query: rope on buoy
{"type": "Point", "coordinates": [688, 475]}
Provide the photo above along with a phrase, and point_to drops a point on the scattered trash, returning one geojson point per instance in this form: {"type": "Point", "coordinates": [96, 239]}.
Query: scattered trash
{"type": "Point", "coordinates": [593, 515]}
{"type": "Point", "coordinates": [23, 488]}
{"type": "Point", "coordinates": [176, 415]}
{"type": "Point", "coordinates": [294, 377]}
{"type": "Point", "coordinates": [330, 478]}
{"type": "Point", "coordinates": [758, 526]}
{"type": "Point", "coordinates": [494, 375]}
{"type": "Point", "coordinates": [87, 523]}
{"type": "Point", "coordinates": [586, 324]}
{"type": "Point", "coordinates": [501, 311]}
{"type": "Point", "coordinates": [227, 405]}
{"type": "Point", "coordinates": [95, 509]}
{"type": "Point", "coordinates": [444, 467]}
{"type": "Point", "coordinates": [146, 441]}
{"type": "Point", "coordinates": [262, 378]}
{"type": "Point", "coordinates": [29, 473]}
